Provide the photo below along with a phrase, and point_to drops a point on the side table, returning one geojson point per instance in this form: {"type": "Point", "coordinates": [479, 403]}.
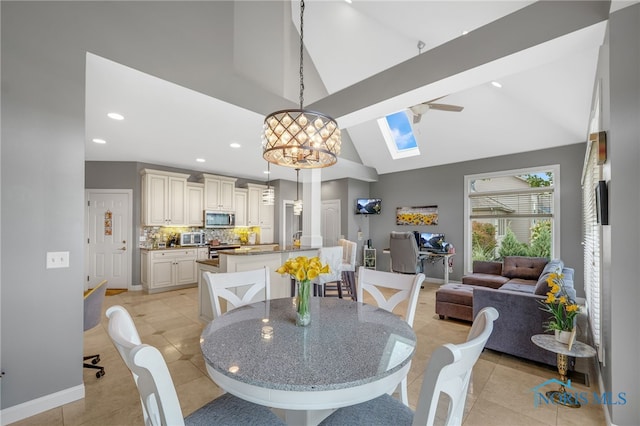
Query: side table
{"type": "Point", "coordinates": [578, 350]}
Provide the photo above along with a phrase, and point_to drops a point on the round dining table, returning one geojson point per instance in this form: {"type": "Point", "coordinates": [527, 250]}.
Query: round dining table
{"type": "Point", "coordinates": [350, 353]}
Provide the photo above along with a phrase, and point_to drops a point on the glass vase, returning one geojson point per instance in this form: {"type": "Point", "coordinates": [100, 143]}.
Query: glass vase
{"type": "Point", "coordinates": [303, 315]}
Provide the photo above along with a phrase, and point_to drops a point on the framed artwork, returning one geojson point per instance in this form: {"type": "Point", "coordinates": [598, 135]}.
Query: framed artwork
{"type": "Point", "coordinates": [423, 215]}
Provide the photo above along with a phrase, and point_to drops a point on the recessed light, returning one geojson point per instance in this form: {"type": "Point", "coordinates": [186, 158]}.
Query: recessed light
{"type": "Point", "coordinates": [234, 145]}
{"type": "Point", "coordinates": [496, 84]}
{"type": "Point", "coordinates": [349, 1]}
{"type": "Point", "coordinates": [266, 172]}
{"type": "Point", "coordinates": [100, 141]}
{"type": "Point", "coordinates": [465, 32]}
{"type": "Point", "coordinates": [200, 160]}
{"type": "Point", "coordinates": [115, 116]}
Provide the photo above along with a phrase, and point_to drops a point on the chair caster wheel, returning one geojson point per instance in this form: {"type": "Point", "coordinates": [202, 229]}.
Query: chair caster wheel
{"type": "Point", "coordinates": [95, 360]}
{"type": "Point", "coordinates": [100, 374]}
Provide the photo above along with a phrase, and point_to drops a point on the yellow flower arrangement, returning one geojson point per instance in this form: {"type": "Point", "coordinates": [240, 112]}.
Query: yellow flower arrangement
{"type": "Point", "coordinates": [563, 310]}
{"type": "Point", "coordinates": [303, 270]}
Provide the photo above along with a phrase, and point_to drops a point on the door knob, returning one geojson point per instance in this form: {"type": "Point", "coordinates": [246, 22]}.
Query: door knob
{"type": "Point", "coordinates": [123, 248]}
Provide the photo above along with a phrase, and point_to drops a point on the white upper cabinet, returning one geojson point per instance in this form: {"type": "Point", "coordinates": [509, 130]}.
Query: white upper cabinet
{"type": "Point", "coordinates": [195, 204]}
{"type": "Point", "coordinates": [219, 193]}
{"type": "Point", "coordinates": [241, 206]}
{"type": "Point", "coordinates": [164, 197]}
{"type": "Point", "coordinates": [259, 214]}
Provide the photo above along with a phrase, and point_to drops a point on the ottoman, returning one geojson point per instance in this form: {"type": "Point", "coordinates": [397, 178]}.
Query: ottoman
{"type": "Point", "coordinates": [455, 301]}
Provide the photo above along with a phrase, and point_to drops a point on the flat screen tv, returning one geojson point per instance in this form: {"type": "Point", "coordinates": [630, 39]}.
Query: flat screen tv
{"type": "Point", "coordinates": [368, 206]}
{"type": "Point", "coordinates": [432, 242]}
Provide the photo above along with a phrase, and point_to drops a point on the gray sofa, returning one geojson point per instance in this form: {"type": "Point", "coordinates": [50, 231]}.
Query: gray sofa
{"type": "Point", "coordinates": [517, 301]}
{"type": "Point", "coordinates": [514, 287]}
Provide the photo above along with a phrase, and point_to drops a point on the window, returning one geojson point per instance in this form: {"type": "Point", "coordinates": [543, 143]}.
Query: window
{"type": "Point", "coordinates": [512, 213]}
{"type": "Point", "coordinates": [591, 241]}
{"type": "Point", "coordinates": [398, 134]}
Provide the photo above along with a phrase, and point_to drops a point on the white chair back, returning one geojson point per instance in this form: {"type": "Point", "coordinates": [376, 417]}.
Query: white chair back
{"type": "Point", "coordinates": [156, 388]}
{"type": "Point", "coordinates": [449, 372]}
{"type": "Point", "coordinates": [237, 288]}
{"type": "Point", "coordinates": [406, 287]}
{"type": "Point", "coordinates": [124, 335]}
{"type": "Point", "coordinates": [331, 256]}
{"type": "Point", "coordinates": [349, 252]}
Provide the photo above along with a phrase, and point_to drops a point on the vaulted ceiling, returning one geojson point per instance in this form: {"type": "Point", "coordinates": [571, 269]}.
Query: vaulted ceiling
{"type": "Point", "coordinates": [362, 61]}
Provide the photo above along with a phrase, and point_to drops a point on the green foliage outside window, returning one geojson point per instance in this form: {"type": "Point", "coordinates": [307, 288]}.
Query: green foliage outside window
{"type": "Point", "coordinates": [483, 241]}
{"type": "Point", "coordinates": [511, 246]}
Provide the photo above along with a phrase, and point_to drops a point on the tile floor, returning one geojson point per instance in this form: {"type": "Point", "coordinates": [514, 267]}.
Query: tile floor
{"type": "Point", "coordinates": [500, 392]}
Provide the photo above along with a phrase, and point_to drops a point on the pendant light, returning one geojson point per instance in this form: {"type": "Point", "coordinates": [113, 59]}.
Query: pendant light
{"type": "Point", "coordinates": [299, 138]}
{"type": "Point", "coordinates": [268, 194]}
{"type": "Point", "coordinates": [297, 204]}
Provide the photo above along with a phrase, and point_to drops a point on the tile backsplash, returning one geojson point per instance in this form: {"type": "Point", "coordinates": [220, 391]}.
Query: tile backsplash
{"type": "Point", "coordinates": [150, 236]}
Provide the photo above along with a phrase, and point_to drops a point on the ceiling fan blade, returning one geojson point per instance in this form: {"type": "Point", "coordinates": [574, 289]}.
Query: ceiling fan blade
{"type": "Point", "coordinates": [446, 107]}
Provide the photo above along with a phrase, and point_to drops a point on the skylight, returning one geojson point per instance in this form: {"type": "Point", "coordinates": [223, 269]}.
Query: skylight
{"type": "Point", "coordinates": [398, 134]}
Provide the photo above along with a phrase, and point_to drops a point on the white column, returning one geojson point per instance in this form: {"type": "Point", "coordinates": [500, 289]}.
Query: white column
{"type": "Point", "coordinates": [311, 207]}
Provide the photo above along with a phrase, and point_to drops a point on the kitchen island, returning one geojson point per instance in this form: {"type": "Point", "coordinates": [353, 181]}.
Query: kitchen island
{"type": "Point", "coordinates": [246, 259]}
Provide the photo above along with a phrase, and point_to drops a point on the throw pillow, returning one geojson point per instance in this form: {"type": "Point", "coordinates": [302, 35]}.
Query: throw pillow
{"type": "Point", "coordinates": [541, 286]}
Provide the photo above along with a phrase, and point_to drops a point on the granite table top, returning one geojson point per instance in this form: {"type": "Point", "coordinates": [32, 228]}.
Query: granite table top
{"type": "Point", "coordinates": [347, 344]}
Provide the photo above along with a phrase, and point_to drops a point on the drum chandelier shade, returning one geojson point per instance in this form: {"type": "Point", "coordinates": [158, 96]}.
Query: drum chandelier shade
{"type": "Point", "coordinates": [300, 138]}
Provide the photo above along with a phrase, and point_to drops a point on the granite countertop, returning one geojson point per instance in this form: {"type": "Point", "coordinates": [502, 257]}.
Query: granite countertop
{"type": "Point", "coordinates": [256, 250]}
{"type": "Point", "coordinates": [210, 262]}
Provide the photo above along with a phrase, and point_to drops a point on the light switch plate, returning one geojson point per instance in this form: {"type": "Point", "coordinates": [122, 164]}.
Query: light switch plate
{"type": "Point", "coordinates": [360, 236]}
{"type": "Point", "coordinates": [57, 259]}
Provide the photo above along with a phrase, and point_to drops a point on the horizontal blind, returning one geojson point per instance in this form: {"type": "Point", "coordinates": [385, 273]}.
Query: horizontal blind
{"type": "Point", "coordinates": [591, 244]}
{"type": "Point", "coordinates": [526, 202]}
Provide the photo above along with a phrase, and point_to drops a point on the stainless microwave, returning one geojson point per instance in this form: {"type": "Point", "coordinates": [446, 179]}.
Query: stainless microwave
{"type": "Point", "coordinates": [214, 219]}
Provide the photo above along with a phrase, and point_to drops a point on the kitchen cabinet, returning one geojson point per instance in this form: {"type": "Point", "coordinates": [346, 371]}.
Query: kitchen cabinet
{"type": "Point", "coordinates": [203, 253]}
{"type": "Point", "coordinates": [259, 214]}
{"type": "Point", "coordinates": [164, 270]}
{"type": "Point", "coordinates": [164, 198]}
{"type": "Point", "coordinates": [195, 204]}
{"type": "Point", "coordinates": [241, 206]}
{"type": "Point", "coordinates": [219, 193]}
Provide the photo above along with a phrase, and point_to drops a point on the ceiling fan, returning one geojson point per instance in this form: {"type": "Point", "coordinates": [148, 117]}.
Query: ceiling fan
{"type": "Point", "coordinates": [422, 108]}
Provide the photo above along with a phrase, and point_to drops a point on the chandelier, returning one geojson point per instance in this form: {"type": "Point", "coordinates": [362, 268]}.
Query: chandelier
{"type": "Point", "coordinates": [297, 204]}
{"type": "Point", "coordinates": [300, 138]}
{"type": "Point", "coordinates": [268, 194]}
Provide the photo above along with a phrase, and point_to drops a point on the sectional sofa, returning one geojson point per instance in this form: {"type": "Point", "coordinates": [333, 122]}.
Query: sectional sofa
{"type": "Point", "coordinates": [514, 287]}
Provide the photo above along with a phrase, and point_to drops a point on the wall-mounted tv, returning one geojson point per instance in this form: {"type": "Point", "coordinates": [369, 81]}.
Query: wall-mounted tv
{"type": "Point", "coordinates": [368, 206]}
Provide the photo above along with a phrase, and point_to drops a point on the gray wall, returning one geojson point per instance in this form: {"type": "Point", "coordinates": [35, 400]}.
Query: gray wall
{"type": "Point", "coordinates": [444, 186]}
{"type": "Point", "coordinates": [621, 239]}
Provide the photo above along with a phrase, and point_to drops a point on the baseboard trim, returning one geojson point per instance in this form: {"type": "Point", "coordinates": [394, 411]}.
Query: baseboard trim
{"type": "Point", "coordinates": [42, 404]}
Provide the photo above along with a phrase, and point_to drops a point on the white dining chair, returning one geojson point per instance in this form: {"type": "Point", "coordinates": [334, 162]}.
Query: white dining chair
{"type": "Point", "coordinates": [160, 404]}
{"type": "Point", "coordinates": [237, 288]}
{"type": "Point", "coordinates": [398, 288]}
{"type": "Point", "coordinates": [331, 256]}
{"type": "Point", "coordinates": [160, 400]}
{"type": "Point", "coordinates": [349, 251]}
{"type": "Point", "coordinates": [448, 371]}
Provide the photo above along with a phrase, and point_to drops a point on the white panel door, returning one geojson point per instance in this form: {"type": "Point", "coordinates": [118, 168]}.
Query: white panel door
{"type": "Point", "coordinates": [330, 224]}
{"type": "Point", "coordinates": [108, 229]}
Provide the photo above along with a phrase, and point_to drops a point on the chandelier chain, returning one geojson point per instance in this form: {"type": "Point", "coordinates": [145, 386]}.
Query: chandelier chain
{"type": "Point", "coordinates": [301, 53]}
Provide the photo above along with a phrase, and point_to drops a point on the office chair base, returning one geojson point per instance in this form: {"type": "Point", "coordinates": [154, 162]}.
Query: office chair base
{"type": "Point", "coordinates": [94, 360]}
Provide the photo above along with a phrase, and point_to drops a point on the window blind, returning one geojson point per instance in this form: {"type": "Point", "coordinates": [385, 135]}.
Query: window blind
{"type": "Point", "coordinates": [591, 243]}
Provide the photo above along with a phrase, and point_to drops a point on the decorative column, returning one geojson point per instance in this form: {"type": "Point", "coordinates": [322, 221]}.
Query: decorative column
{"type": "Point", "coordinates": [311, 208]}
